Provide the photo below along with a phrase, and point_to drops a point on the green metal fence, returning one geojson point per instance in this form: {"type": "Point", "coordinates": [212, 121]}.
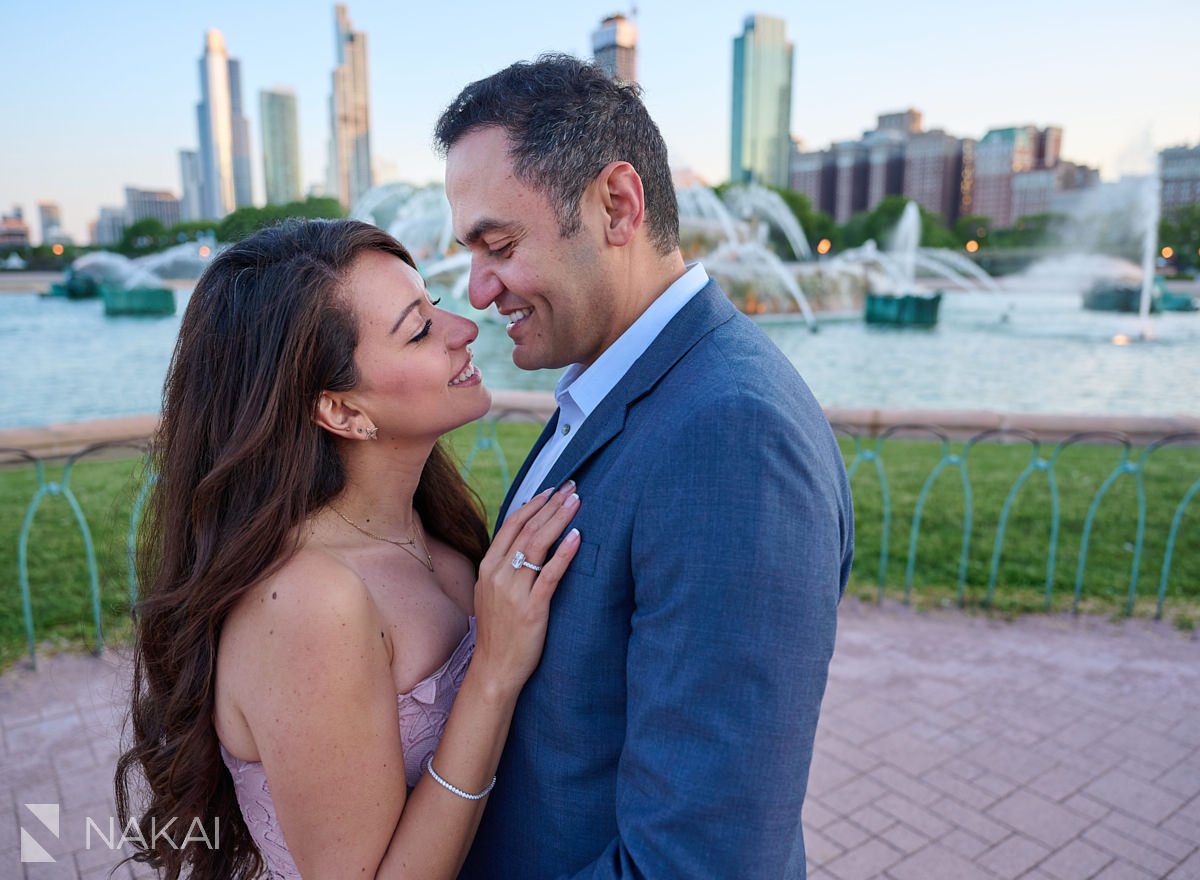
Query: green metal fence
{"type": "Point", "coordinates": [866, 451]}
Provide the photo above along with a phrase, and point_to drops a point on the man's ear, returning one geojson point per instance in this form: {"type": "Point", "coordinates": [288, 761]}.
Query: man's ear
{"type": "Point", "coordinates": [624, 202]}
{"type": "Point", "coordinates": [339, 417]}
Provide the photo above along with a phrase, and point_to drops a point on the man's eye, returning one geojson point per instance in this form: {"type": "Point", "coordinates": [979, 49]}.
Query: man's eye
{"type": "Point", "coordinates": [424, 332]}
{"type": "Point", "coordinates": [502, 251]}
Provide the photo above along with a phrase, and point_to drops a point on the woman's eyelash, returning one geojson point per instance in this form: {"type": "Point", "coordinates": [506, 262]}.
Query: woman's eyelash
{"type": "Point", "coordinates": [424, 332]}
{"type": "Point", "coordinates": [434, 302]}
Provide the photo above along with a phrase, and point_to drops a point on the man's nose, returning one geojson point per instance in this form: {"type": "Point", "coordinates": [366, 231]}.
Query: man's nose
{"type": "Point", "coordinates": [483, 286]}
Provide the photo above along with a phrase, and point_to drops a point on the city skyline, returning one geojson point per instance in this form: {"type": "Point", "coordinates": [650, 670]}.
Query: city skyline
{"type": "Point", "coordinates": [1038, 66]}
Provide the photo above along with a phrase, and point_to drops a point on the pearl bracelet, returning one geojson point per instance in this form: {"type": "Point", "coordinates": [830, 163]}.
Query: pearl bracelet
{"type": "Point", "coordinates": [454, 789]}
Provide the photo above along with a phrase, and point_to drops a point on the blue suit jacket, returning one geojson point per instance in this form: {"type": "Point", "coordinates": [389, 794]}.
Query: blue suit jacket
{"type": "Point", "coordinates": [668, 730]}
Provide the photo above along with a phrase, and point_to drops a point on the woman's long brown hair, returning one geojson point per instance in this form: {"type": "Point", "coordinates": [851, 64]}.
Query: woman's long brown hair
{"type": "Point", "coordinates": [240, 464]}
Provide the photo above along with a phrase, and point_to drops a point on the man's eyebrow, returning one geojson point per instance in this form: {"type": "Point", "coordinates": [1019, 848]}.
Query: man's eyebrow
{"type": "Point", "coordinates": [480, 229]}
{"type": "Point", "coordinates": [404, 314]}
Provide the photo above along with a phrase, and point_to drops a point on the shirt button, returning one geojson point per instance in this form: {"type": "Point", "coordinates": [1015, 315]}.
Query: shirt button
{"type": "Point", "coordinates": [566, 429]}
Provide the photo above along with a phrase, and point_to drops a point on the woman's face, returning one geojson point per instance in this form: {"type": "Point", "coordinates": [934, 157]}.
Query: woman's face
{"type": "Point", "coordinates": [416, 377]}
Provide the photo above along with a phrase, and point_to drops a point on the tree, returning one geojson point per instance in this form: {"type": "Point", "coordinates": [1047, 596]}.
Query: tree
{"type": "Point", "coordinates": [143, 237]}
{"type": "Point", "coordinates": [246, 221]}
{"type": "Point", "coordinates": [1180, 230]}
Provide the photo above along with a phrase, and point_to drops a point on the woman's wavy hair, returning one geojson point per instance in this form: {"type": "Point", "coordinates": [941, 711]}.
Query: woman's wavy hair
{"type": "Point", "coordinates": [240, 464]}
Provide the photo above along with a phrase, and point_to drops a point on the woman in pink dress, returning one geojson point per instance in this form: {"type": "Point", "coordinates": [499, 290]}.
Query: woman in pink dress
{"type": "Point", "coordinates": [328, 653]}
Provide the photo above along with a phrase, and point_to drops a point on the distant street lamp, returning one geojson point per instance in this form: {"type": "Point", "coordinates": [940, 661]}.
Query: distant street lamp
{"type": "Point", "coordinates": [972, 246]}
{"type": "Point", "coordinates": [204, 250]}
{"type": "Point", "coordinates": [823, 246]}
{"type": "Point", "coordinates": [1168, 252]}
{"type": "Point", "coordinates": [57, 250]}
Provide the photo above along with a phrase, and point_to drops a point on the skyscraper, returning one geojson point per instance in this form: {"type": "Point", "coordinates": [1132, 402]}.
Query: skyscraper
{"type": "Point", "coordinates": [51, 216]}
{"type": "Point", "coordinates": [614, 47]}
{"type": "Point", "coordinates": [191, 180]}
{"type": "Point", "coordinates": [349, 111]}
{"type": "Point", "coordinates": [214, 116]}
{"type": "Point", "coordinates": [143, 204]}
{"type": "Point", "coordinates": [243, 192]}
{"type": "Point", "coordinates": [762, 103]}
{"type": "Point", "coordinates": [281, 145]}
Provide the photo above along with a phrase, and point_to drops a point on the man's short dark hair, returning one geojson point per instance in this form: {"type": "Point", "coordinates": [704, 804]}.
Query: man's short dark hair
{"type": "Point", "coordinates": [565, 120]}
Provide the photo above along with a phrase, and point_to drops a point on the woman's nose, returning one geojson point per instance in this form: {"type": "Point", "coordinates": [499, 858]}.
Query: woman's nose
{"type": "Point", "coordinates": [460, 331]}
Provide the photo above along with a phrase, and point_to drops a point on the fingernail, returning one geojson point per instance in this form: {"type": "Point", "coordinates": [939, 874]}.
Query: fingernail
{"type": "Point", "coordinates": [568, 486]}
{"type": "Point", "coordinates": [573, 535]}
{"type": "Point", "coordinates": [572, 501]}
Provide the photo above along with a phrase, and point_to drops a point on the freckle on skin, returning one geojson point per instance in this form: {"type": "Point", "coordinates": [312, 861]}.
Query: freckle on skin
{"type": "Point", "coordinates": [274, 595]}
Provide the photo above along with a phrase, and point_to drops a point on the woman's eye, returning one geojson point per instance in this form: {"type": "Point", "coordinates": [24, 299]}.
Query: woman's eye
{"type": "Point", "coordinates": [424, 332]}
{"type": "Point", "coordinates": [434, 302]}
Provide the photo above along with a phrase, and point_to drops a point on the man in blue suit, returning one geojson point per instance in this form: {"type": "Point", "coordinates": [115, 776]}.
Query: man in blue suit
{"type": "Point", "coordinates": [668, 730]}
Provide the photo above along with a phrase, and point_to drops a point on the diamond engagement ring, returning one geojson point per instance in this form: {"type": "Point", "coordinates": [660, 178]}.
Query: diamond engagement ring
{"type": "Point", "coordinates": [519, 562]}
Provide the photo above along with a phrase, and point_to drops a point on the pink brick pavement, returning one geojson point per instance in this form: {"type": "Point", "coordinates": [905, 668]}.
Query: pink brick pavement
{"type": "Point", "coordinates": [950, 746]}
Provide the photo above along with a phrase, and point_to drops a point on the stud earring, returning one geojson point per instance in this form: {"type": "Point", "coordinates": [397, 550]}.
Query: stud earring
{"type": "Point", "coordinates": [372, 433]}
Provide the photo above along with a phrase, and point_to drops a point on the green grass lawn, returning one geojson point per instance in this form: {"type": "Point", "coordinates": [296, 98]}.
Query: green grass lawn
{"type": "Point", "coordinates": [106, 490]}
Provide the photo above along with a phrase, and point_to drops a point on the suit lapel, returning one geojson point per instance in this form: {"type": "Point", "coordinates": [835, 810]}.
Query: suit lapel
{"type": "Point", "coordinates": [547, 433]}
{"type": "Point", "coordinates": [708, 309]}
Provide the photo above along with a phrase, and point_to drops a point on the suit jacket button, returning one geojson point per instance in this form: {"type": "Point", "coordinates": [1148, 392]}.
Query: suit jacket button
{"type": "Point", "coordinates": [566, 430]}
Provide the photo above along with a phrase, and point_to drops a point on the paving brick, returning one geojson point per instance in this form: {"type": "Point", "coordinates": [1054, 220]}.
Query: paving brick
{"type": "Point", "coordinates": [865, 862]}
{"type": "Point", "coordinates": [853, 795]}
{"type": "Point", "coordinates": [937, 863]}
{"type": "Point", "coordinates": [1165, 842]}
{"type": "Point", "coordinates": [1078, 860]}
{"type": "Point", "coordinates": [1039, 818]}
{"type": "Point", "coordinates": [1012, 857]}
{"type": "Point", "coordinates": [846, 834]}
{"type": "Point", "coordinates": [904, 838]}
{"type": "Point", "coordinates": [965, 844]}
{"type": "Point", "coordinates": [1133, 796]}
{"type": "Point", "coordinates": [1189, 869]}
{"type": "Point", "coordinates": [819, 848]}
{"type": "Point", "coordinates": [914, 816]}
{"type": "Point", "coordinates": [872, 820]}
{"type": "Point", "coordinates": [1119, 870]}
{"type": "Point", "coordinates": [1130, 851]}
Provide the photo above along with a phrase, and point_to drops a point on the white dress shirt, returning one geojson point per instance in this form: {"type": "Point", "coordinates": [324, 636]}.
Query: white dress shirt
{"type": "Point", "coordinates": [580, 390]}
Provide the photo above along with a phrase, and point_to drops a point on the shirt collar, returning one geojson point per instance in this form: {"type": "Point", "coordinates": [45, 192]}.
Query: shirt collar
{"type": "Point", "coordinates": [585, 388]}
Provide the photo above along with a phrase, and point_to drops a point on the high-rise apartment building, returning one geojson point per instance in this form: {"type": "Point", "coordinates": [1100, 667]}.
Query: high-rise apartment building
{"type": "Point", "coordinates": [934, 172]}
{"type": "Point", "coordinates": [214, 116]}
{"type": "Point", "coordinates": [1002, 154]}
{"type": "Point", "coordinates": [614, 47]}
{"type": "Point", "coordinates": [281, 145]}
{"type": "Point", "coordinates": [14, 231]}
{"type": "Point", "coordinates": [143, 204]}
{"type": "Point", "coordinates": [813, 174]}
{"type": "Point", "coordinates": [349, 111]}
{"type": "Point", "coordinates": [191, 180]}
{"type": "Point", "coordinates": [109, 227]}
{"type": "Point", "coordinates": [243, 191]}
{"type": "Point", "coordinates": [761, 143]}
{"type": "Point", "coordinates": [1179, 171]}
{"type": "Point", "coordinates": [50, 216]}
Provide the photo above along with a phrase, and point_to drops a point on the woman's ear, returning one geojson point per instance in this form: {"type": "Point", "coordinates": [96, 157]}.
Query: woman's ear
{"type": "Point", "coordinates": [337, 416]}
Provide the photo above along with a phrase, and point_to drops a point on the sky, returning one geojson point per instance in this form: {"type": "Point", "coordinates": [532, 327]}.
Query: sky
{"type": "Point", "coordinates": [101, 96]}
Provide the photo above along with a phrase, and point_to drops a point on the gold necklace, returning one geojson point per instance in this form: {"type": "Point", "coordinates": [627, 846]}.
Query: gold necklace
{"type": "Point", "coordinates": [405, 545]}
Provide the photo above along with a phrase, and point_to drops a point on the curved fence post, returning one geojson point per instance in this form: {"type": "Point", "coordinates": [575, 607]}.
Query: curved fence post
{"type": "Point", "coordinates": [874, 456]}
{"type": "Point", "coordinates": [922, 496]}
{"type": "Point", "coordinates": [1177, 518]}
{"type": "Point", "coordinates": [486, 438]}
{"type": "Point", "coordinates": [1124, 466]}
{"type": "Point", "coordinates": [1034, 464]}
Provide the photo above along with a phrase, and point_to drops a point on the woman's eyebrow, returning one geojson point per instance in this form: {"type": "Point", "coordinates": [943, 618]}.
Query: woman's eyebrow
{"type": "Point", "coordinates": [404, 314]}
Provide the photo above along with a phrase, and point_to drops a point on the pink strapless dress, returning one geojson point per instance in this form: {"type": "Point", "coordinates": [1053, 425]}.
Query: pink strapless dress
{"type": "Point", "coordinates": [423, 714]}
